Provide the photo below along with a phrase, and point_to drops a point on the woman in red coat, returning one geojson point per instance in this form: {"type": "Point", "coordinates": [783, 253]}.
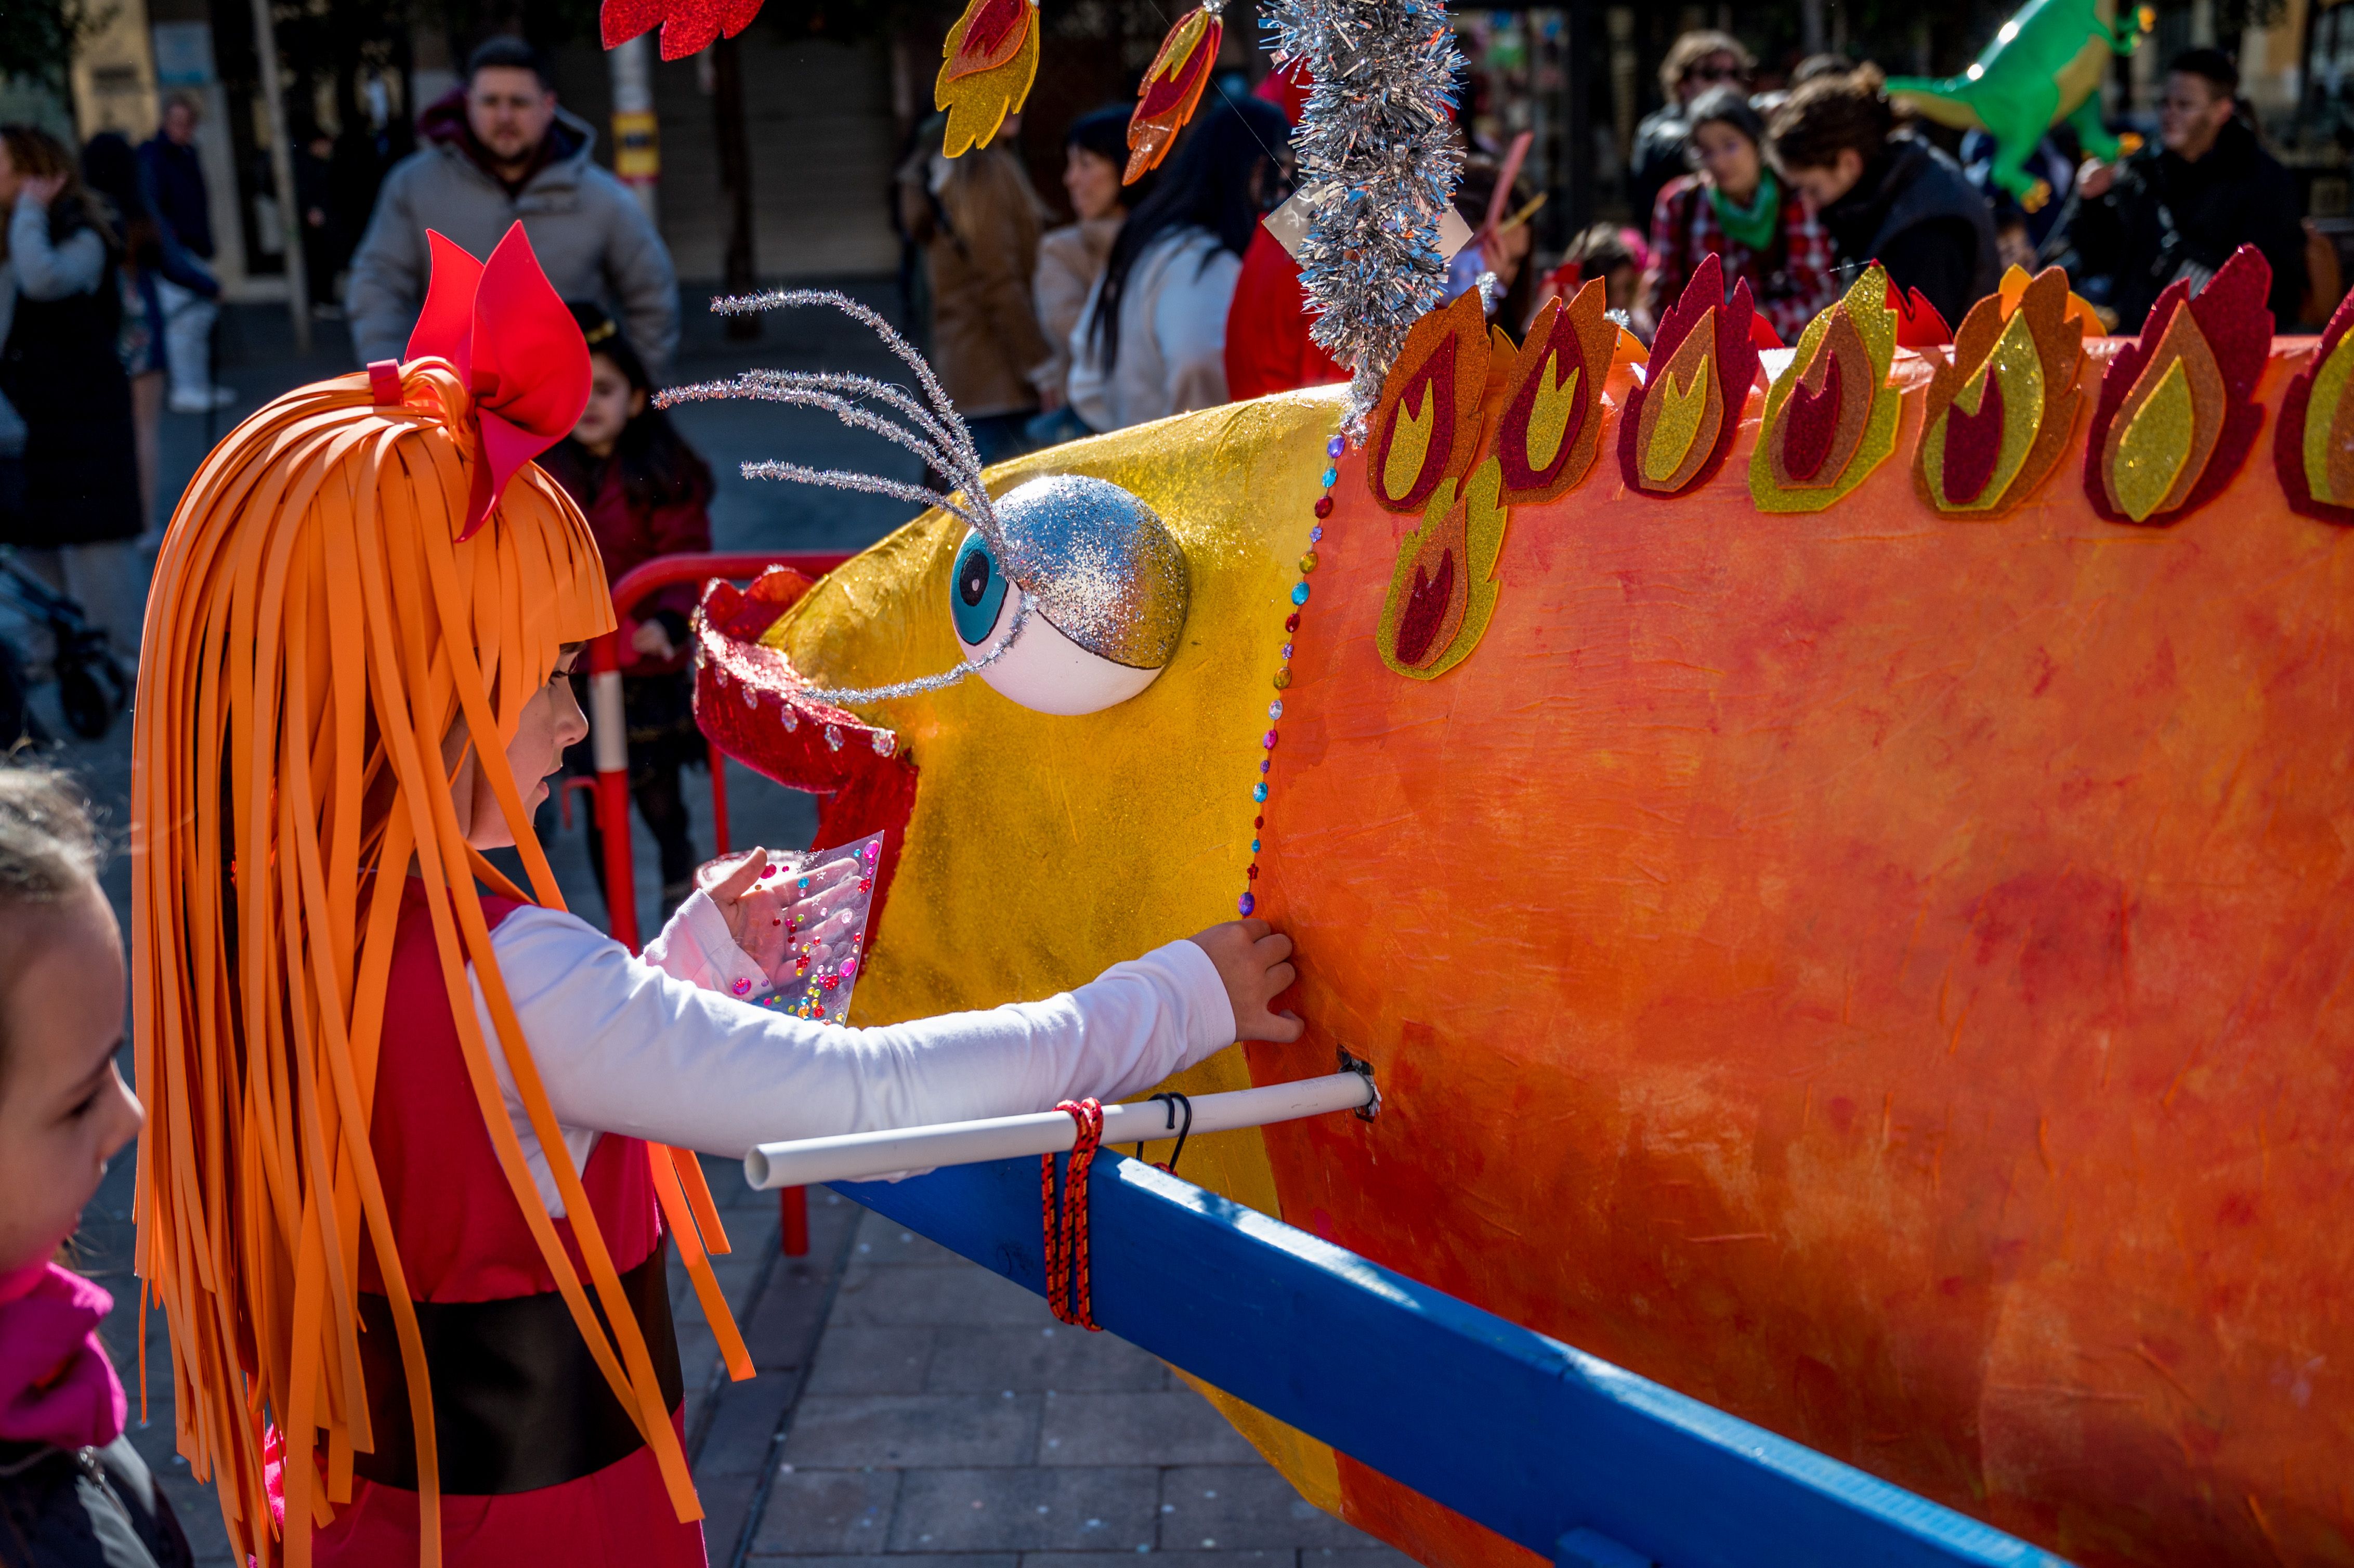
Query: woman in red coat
{"type": "Point", "coordinates": [645, 494]}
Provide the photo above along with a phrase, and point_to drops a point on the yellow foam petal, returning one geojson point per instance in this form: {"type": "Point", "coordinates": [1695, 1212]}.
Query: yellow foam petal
{"type": "Point", "coordinates": [1678, 424]}
{"type": "Point", "coordinates": [1409, 443]}
{"type": "Point", "coordinates": [2152, 449]}
{"type": "Point", "coordinates": [1549, 414]}
{"type": "Point", "coordinates": [2321, 417]}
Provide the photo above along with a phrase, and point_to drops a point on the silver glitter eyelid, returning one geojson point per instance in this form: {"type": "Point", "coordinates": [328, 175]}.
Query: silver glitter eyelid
{"type": "Point", "coordinates": [936, 434]}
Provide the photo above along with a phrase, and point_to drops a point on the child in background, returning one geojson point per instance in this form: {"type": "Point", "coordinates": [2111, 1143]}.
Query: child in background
{"type": "Point", "coordinates": [645, 494]}
{"type": "Point", "coordinates": [73, 1491]}
{"type": "Point", "coordinates": [1614, 255]}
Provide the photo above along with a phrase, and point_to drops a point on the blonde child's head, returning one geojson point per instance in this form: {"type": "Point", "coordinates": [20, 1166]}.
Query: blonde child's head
{"type": "Point", "coordinates": [65, 1110]}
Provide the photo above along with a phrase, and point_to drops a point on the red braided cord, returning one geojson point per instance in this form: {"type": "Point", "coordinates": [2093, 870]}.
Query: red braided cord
{"type": "Point", "coordinates": [1067, 1232]}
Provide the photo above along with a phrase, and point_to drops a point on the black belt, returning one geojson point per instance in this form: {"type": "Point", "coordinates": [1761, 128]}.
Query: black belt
{"type": "Point", "coordinates": [518, 1402]}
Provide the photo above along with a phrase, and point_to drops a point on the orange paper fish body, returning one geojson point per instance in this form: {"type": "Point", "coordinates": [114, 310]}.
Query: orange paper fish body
{"type": "Point", "coordinates": [1882, 967]}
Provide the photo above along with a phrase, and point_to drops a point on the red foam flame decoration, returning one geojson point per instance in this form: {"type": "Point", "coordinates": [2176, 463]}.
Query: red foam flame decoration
{"type": "Point", "coordinates": [514, 346]}
{"type": "Point", "coordinates": [1974, 445]}
{"type": "Point", "coordinates": [1812, 419]}
{"type": "Point", "coordinates": [1736, 365]}
{"type": "Point", "coordinates": [688, 26]}
{"type": "Point", "coordinates": [1918, 324]}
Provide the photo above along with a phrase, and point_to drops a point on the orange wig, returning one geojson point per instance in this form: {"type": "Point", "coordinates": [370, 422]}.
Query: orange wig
{"type": "Point", "coordinates": [317, 627]}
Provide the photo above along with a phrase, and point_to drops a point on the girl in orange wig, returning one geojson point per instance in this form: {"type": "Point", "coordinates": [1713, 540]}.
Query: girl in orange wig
{"type": "Point", "coordinates": [417, 1134]}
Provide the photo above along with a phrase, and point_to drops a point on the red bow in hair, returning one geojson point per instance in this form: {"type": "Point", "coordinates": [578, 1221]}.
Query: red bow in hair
{"type": "Point", "coordinates": [517, 349]}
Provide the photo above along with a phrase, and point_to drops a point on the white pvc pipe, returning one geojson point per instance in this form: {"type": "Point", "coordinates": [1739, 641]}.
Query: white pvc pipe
{"type": "Point", "coordinates": [862, 1156]}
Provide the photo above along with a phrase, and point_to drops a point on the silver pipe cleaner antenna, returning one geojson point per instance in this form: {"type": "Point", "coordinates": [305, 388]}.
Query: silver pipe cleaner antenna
{"type": "Point", "coordinates": [930, 427]}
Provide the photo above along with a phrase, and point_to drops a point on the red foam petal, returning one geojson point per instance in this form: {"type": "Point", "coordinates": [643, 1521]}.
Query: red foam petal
{"type": "Point", "coordinates": [1810, 420]}
{"type": "Point", "coordinates": [1762, 334]}
{"type": "Point", "coordinates": [1973, 445]}
{"type": "Point", "coordinates": [445, 327]}
{"type": "Point", "coordinates": [527, 344]}
{"type": "Point", "coordinates": [1919, 323]}
{"type": "Point", "coordinates": [690, 29]}
{"type": "Point", "coordinates": [619, 21]}
{"type": "Point", "coordinates": [1163, 94]}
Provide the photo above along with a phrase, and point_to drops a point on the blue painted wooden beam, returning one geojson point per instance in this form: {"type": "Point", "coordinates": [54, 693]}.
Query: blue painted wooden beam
{"type": "Point", "coordinates": [1551, 1447]}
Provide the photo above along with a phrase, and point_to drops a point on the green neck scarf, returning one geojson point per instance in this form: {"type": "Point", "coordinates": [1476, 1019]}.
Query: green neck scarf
{"type": "Point", "coordinates": [1752, 226]}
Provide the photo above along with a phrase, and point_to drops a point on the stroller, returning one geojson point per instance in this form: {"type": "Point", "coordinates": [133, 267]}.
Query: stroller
{"type": "Point", "coordinates": [93, 685]}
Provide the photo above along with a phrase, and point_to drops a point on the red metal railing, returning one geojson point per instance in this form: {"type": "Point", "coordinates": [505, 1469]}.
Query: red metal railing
{"type": "Point", "coordinates": [609, 741]}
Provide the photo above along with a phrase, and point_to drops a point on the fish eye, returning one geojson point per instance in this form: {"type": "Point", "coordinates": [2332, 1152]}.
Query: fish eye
{"type": "Point", "coordinates": [978, 592]}
{"type": "Point", "coordinates": [1043, 670]}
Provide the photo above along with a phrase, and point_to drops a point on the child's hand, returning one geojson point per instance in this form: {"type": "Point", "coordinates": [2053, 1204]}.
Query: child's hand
{"type": "Point", "coordinates": [1254, 959]}
{"type": "Point", "coordinates": [653, 639]}
{"type": "Point", "coordinates": [771, 914]}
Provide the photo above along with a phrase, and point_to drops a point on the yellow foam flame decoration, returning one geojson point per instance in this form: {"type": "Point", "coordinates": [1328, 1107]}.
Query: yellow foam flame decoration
{"type": "Point", "coordinates": [2154, 446]}
{"type": "Point", "coordinates": [1549, 413]}
{"type": "Point", "coordinates": [1409, 444]}
{"type": "Point", "coordinates": [1678, 423]}
{"type": "Point", "coordinates": [2321, 420]}
{"type": "Point", "coordinates": [978, 104]}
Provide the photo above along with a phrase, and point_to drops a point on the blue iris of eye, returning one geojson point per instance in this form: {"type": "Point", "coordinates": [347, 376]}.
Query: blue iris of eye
{"type": "Point", "coordinates": [976, 593]}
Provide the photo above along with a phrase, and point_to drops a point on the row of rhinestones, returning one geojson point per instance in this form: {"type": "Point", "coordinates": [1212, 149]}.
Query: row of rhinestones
{"type": "Point", "coordinates": [1333, 450]}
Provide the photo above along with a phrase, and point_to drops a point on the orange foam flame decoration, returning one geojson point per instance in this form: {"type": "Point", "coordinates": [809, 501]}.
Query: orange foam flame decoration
{"type": "Point", "coordinates": [2176, 413]}
{"type": "Point", "coordinates": [1550, 429]}
{"type": "Point", "coordinates": [1443, 590]}
{"type": "Point", "coordinates": [988, 62]}
{"type": "Point", "coordinates": [2000, 411]}
{"type": "Point", "coordinates": [1426, 426]}
{"type": "Point", "coordinates": [1171, 90]}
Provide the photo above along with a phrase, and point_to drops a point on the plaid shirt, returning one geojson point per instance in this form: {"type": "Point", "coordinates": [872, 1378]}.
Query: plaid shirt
{"type": "Point", "coordinates": [1793, 283]}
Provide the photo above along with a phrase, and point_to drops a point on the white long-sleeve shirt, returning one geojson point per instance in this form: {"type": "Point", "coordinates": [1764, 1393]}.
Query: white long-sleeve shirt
{"type": "Point", "coordinates": [1172, 335]}
{"type": "Point", "coordinates": [656, 1047]}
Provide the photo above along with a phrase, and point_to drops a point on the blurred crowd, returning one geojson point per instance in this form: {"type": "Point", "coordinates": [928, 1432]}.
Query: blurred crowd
{"type": "Point", "coordinates": [1796, 189]}
{"type": "Point", "coordinates": [1169, 294]}
{"type": "Point", "coordinates": [1156, 297]}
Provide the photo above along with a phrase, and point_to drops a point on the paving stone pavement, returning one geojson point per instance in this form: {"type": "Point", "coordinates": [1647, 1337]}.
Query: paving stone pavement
{"type": "Point", "coordinates": [944, 1419]}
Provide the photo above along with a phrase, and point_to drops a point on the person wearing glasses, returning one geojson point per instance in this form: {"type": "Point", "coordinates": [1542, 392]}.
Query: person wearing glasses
{"type": "Point", "coordinates": [1696, 62]}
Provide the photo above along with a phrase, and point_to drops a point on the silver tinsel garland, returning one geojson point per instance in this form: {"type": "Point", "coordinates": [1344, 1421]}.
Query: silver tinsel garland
{"type": "Point", "coordinates": [1379, 162]}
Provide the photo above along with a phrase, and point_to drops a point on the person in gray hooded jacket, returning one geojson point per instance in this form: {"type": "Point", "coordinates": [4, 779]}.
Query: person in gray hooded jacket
{"type": "Point", "coordinates": [499, 151]}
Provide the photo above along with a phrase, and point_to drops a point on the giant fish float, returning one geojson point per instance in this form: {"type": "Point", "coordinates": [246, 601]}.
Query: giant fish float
{"type": "Point", "coordinates": [1844, 867]}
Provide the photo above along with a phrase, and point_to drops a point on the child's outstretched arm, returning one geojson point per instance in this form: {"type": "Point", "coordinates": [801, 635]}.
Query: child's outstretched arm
{"type": "Point", "coordinates": [624, 1046]}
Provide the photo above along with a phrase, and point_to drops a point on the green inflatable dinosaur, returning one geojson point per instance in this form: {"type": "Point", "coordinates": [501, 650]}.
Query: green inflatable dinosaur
{"type": "Point", "coordinates": [2044, 66]}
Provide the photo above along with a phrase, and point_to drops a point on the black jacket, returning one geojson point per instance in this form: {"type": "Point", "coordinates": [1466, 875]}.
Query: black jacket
{"type": "Point", "coordinates": [61, 369]}
{"type": "Point", "coordinates": [175, 181]}
{"type": "Point", "coordinates": [90, 1507]}
{"type": "Point", "coordinates": [2166, 218]}
{"type": "Point", "coordinates": [1914, 212]}
{"type": "Point", "coordinates": [1659, 157]}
